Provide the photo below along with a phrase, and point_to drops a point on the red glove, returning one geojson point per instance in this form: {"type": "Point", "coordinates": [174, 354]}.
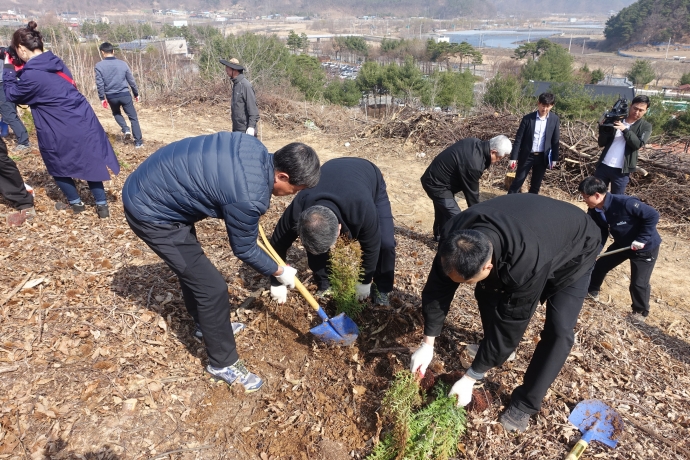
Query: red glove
{"type": "Point", "coordinates": [137, 98]}
{"type": "Point", "coordinates": [104, 103]}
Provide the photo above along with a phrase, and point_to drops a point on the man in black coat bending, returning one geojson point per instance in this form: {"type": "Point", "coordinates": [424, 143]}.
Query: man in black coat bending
{"type": "Point", "coordinates": [350, 199]}
{"type": "Point", "coordinates": [458, 169]}
{"type": "Point", "coordinates": [520, 250]}
{"type": "Point", "coordinates": [536, 145]}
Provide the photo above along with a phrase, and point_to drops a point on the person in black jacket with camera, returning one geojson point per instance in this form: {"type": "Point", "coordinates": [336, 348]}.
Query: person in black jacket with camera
{"type": "Point", "coordinates": [621, 143]}
{"type": "Point", "coordinates": [458, 169]}
{"type": "Point", "coordinates": [632, 224]}
{"type": "Point", "coordinates": [519, 250]}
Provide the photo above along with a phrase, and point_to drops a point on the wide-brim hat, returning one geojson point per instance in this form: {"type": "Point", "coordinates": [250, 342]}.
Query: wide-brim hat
{"type": "Point", "coordinates": [232, 63]}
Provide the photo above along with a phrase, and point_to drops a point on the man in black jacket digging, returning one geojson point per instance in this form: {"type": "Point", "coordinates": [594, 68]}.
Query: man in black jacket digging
{"type": "Point", "coordinates": [520, 250]}
{"type": "Point", "coordinates": [458, 169]}
{"type": "Point", "coordinates": [350, 199]}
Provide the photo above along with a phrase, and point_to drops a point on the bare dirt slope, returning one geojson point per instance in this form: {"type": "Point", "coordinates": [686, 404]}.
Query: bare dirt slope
{"type": "Point", "coordinates": [97, 359]}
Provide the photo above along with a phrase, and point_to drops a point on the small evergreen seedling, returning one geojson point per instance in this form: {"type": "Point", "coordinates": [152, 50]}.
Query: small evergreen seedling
{"type": "Point", "coordinates": [430, 432]}
{"type": "Point", "coordinates": [345, 270]}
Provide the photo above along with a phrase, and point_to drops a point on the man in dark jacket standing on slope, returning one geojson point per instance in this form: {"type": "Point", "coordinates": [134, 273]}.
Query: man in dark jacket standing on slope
{"type": "Point", "coordinates": [350, 200]}
{"type": "Point", "coordinates": [519, 250]}
{"type": "Point", "coordinates": [245, 112]}
{"type": "Point", "coordinates": [459, 168]}
{"type": "Point", "coordinates": [113, 81]}
{"type": "Point", "coordinates": [536, 145]}
{"type": "Point", "coordinates": [229, 176]}
{"type": "Point", "coordinates": [621, 143]}
{"type": "Point", "coordinates": [632, 224]}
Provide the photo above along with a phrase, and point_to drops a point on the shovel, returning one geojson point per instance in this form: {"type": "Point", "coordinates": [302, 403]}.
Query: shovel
{"type": "Point", "coordinates": [604, 254]}
{"type": "Point", "coordinates": [340, 330]}
{"type": "Point", "coordinates": [598, 422]}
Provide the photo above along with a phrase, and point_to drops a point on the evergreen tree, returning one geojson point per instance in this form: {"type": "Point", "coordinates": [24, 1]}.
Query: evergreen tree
{"type": "Point", "coordinates": [641, 72]}
{"type": "Point", "coordinates": [554, 65]}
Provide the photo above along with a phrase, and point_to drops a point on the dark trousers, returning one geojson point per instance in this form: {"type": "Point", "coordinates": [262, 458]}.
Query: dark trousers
{"type": "Point", "coordinates": [557, 338]}
{"type": "Point", "coordinates": [11, 182]}
{"type": "Point", "coordinates": [204, 289]}
{"type": "Point", "coordinates": [537, 163]}
{"type": "Point", "coordinates": [127, 104]}
{"type": "Point", "coordinates": [69, 189]}
{"type": "Point", "coordinates": [445, 207]}
{"type": "Point", "coordinates": [384, 276]}
{"type": "Point", "coordinates": [613, 176]}
{"type": "Point", "coordinates": [8, 110]}
{"type": "Point", "coordinates": [641, 267]}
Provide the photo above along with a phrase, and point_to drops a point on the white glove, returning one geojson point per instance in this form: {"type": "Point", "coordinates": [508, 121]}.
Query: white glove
{"type": "Point", "coordinates": [279, 293]}
{"type": "Point", "coordinates": [250, 131]}
{"type": "Point", "coordinates": [512, 164]}
{"type": "Point", "coordinates": [463, 389]}
{"type": "Point", "coordinates": [421, 358]}
{"type": "Point", "coordinates": [288, 277]}
{"type": "Point", "coordinates": [554, 164]}
{"type": "Point", "coordinates": [137, 98]}
{"type": "Point", "coordinates": [636, 245]}
{"type": "Point", "coordinates": [363, 291]}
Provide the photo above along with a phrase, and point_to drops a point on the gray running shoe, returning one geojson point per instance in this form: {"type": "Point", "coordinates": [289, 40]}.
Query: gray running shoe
{"type": "Point", "coordinates": [236, 372]}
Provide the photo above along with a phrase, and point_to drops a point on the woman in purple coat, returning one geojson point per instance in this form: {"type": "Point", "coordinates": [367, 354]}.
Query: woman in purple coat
{"type": "Point", "coordinates": [71, 140]}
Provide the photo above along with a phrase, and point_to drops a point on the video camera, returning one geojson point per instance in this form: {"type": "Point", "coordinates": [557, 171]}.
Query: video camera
{"type": "Point", "coordinates": [618, 112]}
{"type": "Point", "coordinates": [5, 50]}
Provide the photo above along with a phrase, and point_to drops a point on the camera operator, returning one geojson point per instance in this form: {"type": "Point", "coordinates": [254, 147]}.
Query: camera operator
{"type": "Point", "coordinates": [621, 143]}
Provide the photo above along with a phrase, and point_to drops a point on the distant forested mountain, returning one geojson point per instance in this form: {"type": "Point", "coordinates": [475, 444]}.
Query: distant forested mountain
{"type": "Point", "coordinates": [649, 21]}
{"type": "Point", "coordinates": [440, 9]}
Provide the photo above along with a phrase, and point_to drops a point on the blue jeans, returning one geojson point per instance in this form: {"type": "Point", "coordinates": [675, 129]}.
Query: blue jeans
{"type": "Point", "coordinates": [69, 188]}
{"type": "Point", "coordinates": [8, 110]}
{"type": "Point", "coordinates": [613, 176]}
{"type": "Point", "coordinates": [125, 103]}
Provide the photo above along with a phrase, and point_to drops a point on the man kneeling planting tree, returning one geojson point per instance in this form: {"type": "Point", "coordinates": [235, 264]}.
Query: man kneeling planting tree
{"type": "Point", "coordinates": [349, 200]}
{"type": "Point", "coordinates": [519, 250]}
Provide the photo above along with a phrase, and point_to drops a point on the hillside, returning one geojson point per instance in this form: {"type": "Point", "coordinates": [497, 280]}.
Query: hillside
{"type": "Point", "coordinates": [438, 9]}
{"type": "Point", "coordinates": [649, 21]}
{"type": "Point", "coordinates": [97, 360]}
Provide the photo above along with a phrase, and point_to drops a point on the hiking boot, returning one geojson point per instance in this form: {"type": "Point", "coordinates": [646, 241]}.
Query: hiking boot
{"type": "Point", "coordinates": [17, 218]}
{"type": "Point", "coordinates": [472, 349]}
{"type": "Point", "coordinates": [128, 135]}
{"type": "Point", "coordinates": [22, 148]}
{"type": "Point", "coordinates": [103, 211]}
{"type": "Point", "coordinates": [381, 298]}
{"type": "Point", "coordinates": [76, 208]}
{"type": "Point", "coordinates": [236, 329]}
{"type": "Point", "coordinates": [323, 293]}
{"type": "Point", "coordinates": [594, 295]}
{"type": "Point", "coordinates": [236, 372]}
{"type": "Point", "coordinates": [513, 419]}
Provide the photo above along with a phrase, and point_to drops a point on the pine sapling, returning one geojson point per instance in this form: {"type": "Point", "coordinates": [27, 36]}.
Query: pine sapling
{"type": "Point", "coordinates": [345, 270]}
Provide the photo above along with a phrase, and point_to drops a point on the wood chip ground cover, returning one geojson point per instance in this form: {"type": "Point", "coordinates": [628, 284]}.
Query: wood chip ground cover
{"type": "Point", "coordinates": [97, 358]}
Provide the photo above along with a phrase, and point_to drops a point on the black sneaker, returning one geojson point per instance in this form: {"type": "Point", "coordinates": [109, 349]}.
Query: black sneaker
{"type": "Point", "coordinates": [594, 295]}
{"type": "Point", "coordinates": [513, 419]}
{"type": "Point", "coordinates": [103, 211]}
{"type": "Point", "coordinates": [128, 135]}
{"type": "Point", "coordinates": [76, 208]}
{"type": "Point", "coordinates": [381, 298]}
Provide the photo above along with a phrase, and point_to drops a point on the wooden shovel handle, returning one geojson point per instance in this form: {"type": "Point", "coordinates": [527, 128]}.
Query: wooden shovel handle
{"type": "Point", "coordinates": [268, 249]}
{"type": "Point", "coordinates": [577, 450]}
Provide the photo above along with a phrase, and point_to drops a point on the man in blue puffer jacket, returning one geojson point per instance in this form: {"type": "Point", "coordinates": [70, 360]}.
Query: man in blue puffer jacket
{"type": "Point", "coordinates": [229, 176]}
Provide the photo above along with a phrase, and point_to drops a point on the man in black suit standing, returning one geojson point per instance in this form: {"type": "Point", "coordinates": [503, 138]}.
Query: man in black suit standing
{"type": "Point", "coordinates": [536, 145]}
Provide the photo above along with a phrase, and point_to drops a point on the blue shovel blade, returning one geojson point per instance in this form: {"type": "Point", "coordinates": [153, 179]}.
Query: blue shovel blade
{"type": "Point", "coordinates": [597, 422]}
{"type": "Point", "coordinates": [340, 330]}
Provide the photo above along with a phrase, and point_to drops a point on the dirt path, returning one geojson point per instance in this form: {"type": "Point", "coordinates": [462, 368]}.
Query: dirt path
{"type": "Point", "coordinates": [97, 361]}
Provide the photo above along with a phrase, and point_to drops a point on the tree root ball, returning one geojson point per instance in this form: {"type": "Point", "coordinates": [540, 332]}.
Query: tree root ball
{"type": "Point", "coordinates": [428, 381]}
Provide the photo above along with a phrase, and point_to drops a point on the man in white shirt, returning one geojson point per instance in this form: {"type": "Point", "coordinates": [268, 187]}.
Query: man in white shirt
{"type": "Point", "coordinates": [536, 145]}
{"type": "Point", "coordinates": [621, 143]}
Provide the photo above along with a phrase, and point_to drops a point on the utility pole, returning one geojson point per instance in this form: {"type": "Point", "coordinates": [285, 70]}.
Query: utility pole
{"type": "Point", "coordinates": [583, 45]}
{"type": "Point", "coordinates": [571, 43]}
{"type": "Point", "coordinates": [667, 46]}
